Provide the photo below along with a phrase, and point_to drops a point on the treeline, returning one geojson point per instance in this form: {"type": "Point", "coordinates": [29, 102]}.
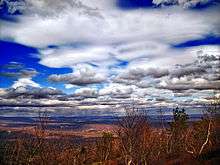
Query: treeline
{"type": "Point", "coordinates": [134, 142]}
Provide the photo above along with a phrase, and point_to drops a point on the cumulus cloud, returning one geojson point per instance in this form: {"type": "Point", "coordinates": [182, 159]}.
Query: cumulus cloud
{"type": "Point", "coordinates": [185, 83]}
{"type": "Point", "coordinates": [30, 92]}
{"type": "Point", "coordinates": [24, 82]}
{"type": "Point", "coordinates": [86, 92]}
{"type": "Point", "coordinates": [185, 71]}
{"type": "Point", "coordinates": [22, 74]}
{"type": "Point", "coordinates": [184, 3]}
{"type": "Point", "coordinates": [117, 91]}
{"type": "Point", "coordinates": [137, 74]}
{"type": "Point", "coordinates": [200, 74]}
{"type": "Point", "coordinates": [81, 76]}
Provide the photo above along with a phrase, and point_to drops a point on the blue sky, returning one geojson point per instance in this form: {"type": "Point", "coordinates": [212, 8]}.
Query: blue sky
{"type": "Point", "coordinates": [160, 52]}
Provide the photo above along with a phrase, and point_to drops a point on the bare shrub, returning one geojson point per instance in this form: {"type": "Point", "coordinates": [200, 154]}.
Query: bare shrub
{"type": "Point", "coordinates": [203, 136]}
{"type": "Point", "coordinates": [104, 147]}
{"type": "Point", "coordinates": [136, 138]}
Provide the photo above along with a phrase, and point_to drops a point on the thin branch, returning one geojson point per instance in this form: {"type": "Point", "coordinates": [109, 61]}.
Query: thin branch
{"type": "Point", "coordinates": [207, 138]}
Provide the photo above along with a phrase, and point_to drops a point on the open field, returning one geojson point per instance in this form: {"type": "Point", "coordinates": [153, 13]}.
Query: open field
{"type": "Point", "coordinates": [82, 126]}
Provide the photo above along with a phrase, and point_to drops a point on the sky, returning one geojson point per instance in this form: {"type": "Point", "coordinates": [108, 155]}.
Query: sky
{"type": "Point", "coordinates": [103, 54]}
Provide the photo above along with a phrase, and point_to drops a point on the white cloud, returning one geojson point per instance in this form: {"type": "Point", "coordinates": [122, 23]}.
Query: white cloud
{"type": "Point", "coordinates": [171, 57]}
{"type": "Point", "coordinates": [117, 90]}
{"type": "Point", "coordinates": [86, 92]}
{"type": "Point", "coordinates": [82, 75]}
{"type": "Point", "coordinates": [138, 73]}
{"type": "Point", "coordinates": [71, 25]}
{"type": "Point", "coordinates": [68, 56]}
{"type": "Point", "coordinates": [184, 3]}
{"type": "Point", "coordinates": [24, 82]}
{"type": "Point", "coordinates": [185, 83]}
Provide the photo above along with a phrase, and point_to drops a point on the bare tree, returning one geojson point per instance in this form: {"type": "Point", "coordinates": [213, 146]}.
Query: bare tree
{"type": "Point", "coordinates": [135, 136]}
